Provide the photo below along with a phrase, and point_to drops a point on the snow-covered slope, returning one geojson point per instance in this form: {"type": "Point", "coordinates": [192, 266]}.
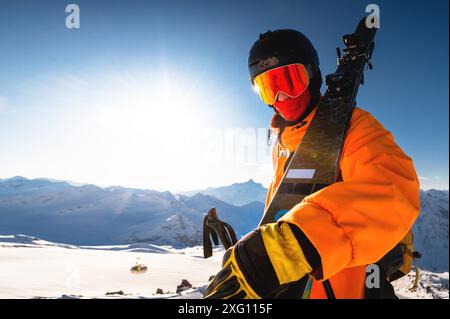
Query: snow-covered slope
{"type": "Point", "coordinates": [431, 286]}
{"type": "Point", "coordinates": [237, 194]}
{"type": "Point", "coordinates": [32, 268]}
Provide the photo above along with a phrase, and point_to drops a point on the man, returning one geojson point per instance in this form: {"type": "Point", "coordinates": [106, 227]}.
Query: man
{"type": "Point", "coordinates": [335, 232]}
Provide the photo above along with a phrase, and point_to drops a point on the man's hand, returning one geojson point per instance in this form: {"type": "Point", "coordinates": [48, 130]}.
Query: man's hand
{"type": "Point", "coordinates": [260, 263]}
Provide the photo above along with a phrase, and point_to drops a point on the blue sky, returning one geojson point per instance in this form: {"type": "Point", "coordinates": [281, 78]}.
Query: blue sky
{"type": "Point", "coordinates": [131, 96]}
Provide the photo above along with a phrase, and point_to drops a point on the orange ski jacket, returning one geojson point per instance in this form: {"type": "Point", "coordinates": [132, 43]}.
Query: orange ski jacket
{"type": "Point", "coordinates": [354, 222]}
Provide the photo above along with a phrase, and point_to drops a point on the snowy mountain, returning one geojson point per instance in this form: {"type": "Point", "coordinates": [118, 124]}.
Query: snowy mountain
{"type": "Point", "coordinates": [237, 194]}
{"type": "Point", "coordinates": [90, 215]}
{"type": "Point", "coordinates": [183, 230]}
{"type": "Point", "coordinates": [431, 230]}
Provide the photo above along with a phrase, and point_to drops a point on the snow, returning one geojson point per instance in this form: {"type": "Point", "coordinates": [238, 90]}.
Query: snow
{"type": "Point", "coordinates": [38, 269]}
{"type": "Point", "coordinates": [181, 230]}
{"type": "Point", "coordinates": [431, 286]}
{"type": "Point", "coordinates": [431, 231]}
{"type": "Point", "coordinates": [33, 268]}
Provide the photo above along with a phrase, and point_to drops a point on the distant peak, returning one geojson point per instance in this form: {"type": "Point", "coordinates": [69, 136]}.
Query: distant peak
{"type": "Point", "coordinates": [252, 182]}
{"type": "Point", "coordinates": [16, 178]}
{"type": "Point", "coordinates": [249, 182]}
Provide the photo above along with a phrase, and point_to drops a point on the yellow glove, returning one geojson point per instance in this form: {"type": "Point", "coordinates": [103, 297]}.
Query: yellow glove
{"type": "Point", "coordinates": [260, 264]}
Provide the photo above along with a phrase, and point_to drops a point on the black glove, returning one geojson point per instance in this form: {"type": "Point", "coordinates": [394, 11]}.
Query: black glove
{"type": "Point", "coordinates": [264, 263]}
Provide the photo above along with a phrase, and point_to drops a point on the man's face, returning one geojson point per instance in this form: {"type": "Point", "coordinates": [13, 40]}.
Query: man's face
{"type": "Point", "coordinates": [286, 89]}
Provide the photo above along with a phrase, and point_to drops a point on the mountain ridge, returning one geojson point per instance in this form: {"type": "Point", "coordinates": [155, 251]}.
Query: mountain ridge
{"type": "Point", "coordinates": [91, 215]}
{"type": "Point", "coordinates": [88, 214]}
{"type": "Point", "coordinates": [237, 194]}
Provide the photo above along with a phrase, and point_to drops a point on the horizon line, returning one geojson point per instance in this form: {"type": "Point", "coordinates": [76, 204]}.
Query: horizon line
{"type": "Point", "coordinates": [80, 184]}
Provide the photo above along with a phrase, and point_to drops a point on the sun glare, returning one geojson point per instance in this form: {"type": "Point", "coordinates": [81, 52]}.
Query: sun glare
{"type": "Point", "coordinates": [148, 121]}
{"type": "Point", "coordinates": [139, 126]}
{"type": "Point", "coordinates": [141, 105]}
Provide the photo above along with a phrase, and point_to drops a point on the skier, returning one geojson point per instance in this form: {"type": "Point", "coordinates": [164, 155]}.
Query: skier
{"type": "Point", "coordinates": [334, 233]}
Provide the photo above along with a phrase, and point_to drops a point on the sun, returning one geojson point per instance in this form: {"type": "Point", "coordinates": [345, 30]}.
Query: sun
{"type": "Point", "coordinates": [138, 104]}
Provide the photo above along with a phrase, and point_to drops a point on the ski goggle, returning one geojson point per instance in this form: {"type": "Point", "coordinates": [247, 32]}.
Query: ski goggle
{"type": "Point", "coordinates": [291, 80]}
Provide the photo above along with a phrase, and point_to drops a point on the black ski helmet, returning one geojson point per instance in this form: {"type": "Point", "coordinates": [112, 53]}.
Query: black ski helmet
{"type": "Point", "coordinates": [282, 47]}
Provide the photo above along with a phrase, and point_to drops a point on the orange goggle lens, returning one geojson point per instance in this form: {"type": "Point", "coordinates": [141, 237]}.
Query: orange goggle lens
{"type": "Point", "coordinates": [290, 79]}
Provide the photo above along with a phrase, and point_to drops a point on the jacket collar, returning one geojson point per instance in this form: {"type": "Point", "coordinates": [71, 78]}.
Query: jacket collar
{"type": "Point", "coordinates": [292, 135]}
